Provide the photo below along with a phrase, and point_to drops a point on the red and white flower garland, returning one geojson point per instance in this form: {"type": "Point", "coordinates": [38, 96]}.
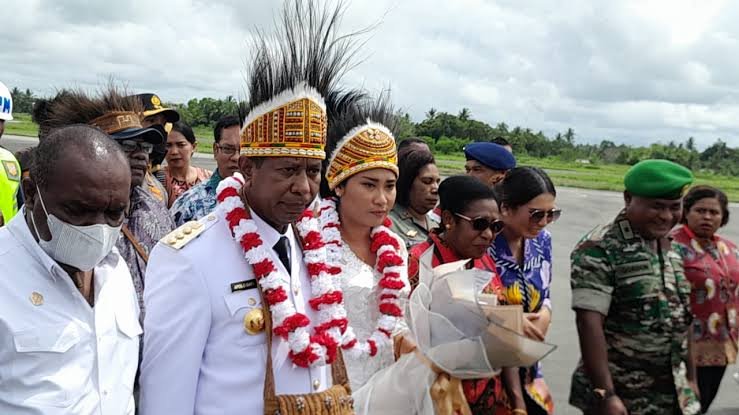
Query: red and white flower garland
{"type": "Point", "coordinates": [392, 266]}
{"type": "Point", "coordinates": [306, 350]}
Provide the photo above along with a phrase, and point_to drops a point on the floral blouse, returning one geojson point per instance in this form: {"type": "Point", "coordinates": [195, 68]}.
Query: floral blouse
{"type": "Point", "coordinates": [176, 187]}
{"type": "Point", "coordinates": [713, 272]}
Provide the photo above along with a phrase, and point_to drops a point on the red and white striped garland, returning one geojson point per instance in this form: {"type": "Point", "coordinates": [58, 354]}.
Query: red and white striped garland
{"type": "Point", "coordinates": [392, 266]}
{"type": "Point", "coordinates": [306, 350]}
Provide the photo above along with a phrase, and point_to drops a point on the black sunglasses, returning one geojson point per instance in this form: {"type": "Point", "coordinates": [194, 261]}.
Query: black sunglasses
{"type": "Point", "coordinates": [129, 146]}
{"type": "Point", "coordinates": [536, 215]}
{"type": "Point", "coordinates": [480, 224]}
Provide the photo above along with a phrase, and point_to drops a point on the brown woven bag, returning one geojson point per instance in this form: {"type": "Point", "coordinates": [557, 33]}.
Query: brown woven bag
{"type": "Point", "coordinates": [337, 400]}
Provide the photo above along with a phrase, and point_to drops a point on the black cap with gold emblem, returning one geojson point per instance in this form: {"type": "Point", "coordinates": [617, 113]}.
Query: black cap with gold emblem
{"type": "Point", "coordinates": [153, 105]}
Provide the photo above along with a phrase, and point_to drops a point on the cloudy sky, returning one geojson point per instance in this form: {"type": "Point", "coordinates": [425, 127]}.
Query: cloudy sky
{"type": "Point", "coordinates": [632, 71]}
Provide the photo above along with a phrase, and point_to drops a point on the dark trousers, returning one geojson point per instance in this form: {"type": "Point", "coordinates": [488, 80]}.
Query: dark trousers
{"type": "Point", "coordinates": [709, 380]}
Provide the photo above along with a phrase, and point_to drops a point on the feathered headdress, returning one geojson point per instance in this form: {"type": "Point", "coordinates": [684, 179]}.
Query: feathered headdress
{"type": "Point", "coordinates": [110, 109]}
{"type": "Point", "coordinates": [361, 137]}
{"type": "Point", "coordinates": [292, 82]}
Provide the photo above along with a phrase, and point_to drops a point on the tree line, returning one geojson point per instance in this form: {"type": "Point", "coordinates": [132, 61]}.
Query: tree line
{"type": "Point", "coordinates": [448, 133]}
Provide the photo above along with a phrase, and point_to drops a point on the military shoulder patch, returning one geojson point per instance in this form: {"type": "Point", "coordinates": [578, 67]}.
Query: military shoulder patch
{"type": "Point", "coordinates": [188, 232]}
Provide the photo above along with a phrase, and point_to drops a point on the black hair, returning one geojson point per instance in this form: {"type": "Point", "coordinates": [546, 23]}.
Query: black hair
{"type": "Point", "coordinates": [697, 193]}
{"type": "Point", "coordinates": [406, 142]}
{"type": "Point", "coordinates": [226, 121]}
{"type": "Point", "coordinates": [81, 139]}
{"type": "Point", "coordinates": [501, 141]}
{"type": "Point", "coordinates": [184, 129]}
{"type": "Point", "coordinates": [42, 110]}
{"type": "Point", "coordinates": [522, 184]}
{"type": "Point", "coordinates": [350, 116]}
{"type": "Point", "coordinates": [409, 164]}
{"type": "Point", "coordinates": [457, 192]}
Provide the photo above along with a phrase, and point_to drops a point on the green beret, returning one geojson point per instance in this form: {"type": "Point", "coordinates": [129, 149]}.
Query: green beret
{"type": "Point", "coordinates": [658, 179]}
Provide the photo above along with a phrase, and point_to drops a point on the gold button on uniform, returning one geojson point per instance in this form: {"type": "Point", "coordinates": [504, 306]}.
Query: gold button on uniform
{"type": "Point", "coordinates": [254, 321]}
{"type": "Point", "coordinates": [316, 384]}
{"type": "Point", "coordinates": [252, 301]}
{"type": "Point", "coordinates": [37, 298]}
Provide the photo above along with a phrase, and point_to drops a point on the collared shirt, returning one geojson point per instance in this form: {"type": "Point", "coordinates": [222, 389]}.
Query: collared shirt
{"type": "Point", "coordinates": [197, 356]}
{"type": "Point", "coordinates": [407, 227]}
{"type": "Point", "coordinates": [58, 355]}
{"type": "Point", "coordinates": [641, 289]}
{"type": "Point", "coordinates": [197, 202]}
{"type": "Point", "coordinates": [149, 221]}
{"type": "Point", "coordinates": [713, 272]}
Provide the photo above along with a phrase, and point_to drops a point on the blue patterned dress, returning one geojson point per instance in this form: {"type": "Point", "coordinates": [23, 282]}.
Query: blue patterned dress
{"type": "Point", "coordinates": [528, 285]}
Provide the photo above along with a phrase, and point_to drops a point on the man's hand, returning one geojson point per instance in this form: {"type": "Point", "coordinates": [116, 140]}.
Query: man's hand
{"type": "Point", "coordinates": [530, 328]}
{"type": "Point", "coordinates": [613, 406]}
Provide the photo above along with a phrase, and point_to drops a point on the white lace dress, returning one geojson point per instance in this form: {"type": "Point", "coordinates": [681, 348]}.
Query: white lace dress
{"type": "Point", "coordinates": [359, 284]}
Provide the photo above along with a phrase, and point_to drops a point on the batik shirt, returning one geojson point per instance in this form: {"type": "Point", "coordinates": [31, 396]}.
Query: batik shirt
{"type": "Point", "coordinates": [148, 221]}
{"type": "Point", "coordinates": [641, 289]}
{"type": "Point", "coordinates": [713, 271]}
{"type": "Point", "coordinates": [528, 285]}
{"type": "Point", "coordinates": [197, 202]}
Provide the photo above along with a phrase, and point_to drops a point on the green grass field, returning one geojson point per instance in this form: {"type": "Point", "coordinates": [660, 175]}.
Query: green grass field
{"type": "Point", "coordinates": [598, 177]}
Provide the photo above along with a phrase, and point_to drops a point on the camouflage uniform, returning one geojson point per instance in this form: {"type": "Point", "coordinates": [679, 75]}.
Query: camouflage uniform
{"type": "Point", "coordinates": [644, 295]}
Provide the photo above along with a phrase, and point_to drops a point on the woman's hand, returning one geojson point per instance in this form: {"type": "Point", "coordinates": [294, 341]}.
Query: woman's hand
{"type": "Point", "coordinates": [403, 344]}
{"type": "Point", "coordinates": [540, 321]}
{"type": "Point", "coordinates": [530, 328]}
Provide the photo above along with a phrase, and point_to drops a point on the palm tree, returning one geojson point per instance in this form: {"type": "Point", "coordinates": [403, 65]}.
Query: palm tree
{"type": "Point", "coordinates": [431, 114]}
{"type": "Point", "coordinates": [464, 114]}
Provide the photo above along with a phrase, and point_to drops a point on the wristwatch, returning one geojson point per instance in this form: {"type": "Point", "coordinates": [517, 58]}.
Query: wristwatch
{"type": "Point", "coordinates": [602, 395]}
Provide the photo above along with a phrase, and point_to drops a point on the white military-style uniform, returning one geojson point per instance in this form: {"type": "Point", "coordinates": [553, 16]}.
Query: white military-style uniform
{"type": "Point", "coordinates": [198, 357]}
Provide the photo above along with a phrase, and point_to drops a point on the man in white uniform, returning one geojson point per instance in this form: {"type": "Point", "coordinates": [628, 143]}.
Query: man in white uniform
{"type": "Point", "coordinates": [205, 345]}
{"type": "Point", "coordinates": [69, 330]}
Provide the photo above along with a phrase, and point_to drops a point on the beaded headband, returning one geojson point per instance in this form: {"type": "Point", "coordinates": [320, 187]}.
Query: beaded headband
{"type": "Point", "coordinates": [292, 124]}
{"type": "Point", "coordinates": [368, 146]}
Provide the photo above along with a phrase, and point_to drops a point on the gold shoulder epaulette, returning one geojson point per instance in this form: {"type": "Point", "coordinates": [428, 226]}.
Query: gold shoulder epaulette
{"type": "Point", "coordinates": [188, 232]}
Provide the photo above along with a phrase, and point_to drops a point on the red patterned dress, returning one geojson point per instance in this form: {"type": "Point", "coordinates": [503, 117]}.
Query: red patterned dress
{"type": "Point", "coordinates": [713, 272]}
{"type": "Point", "coordinates": [480, 393]}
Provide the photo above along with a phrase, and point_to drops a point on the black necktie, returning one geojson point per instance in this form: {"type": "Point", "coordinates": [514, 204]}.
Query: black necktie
{"type": "Point", "coordinates": [282, 247]}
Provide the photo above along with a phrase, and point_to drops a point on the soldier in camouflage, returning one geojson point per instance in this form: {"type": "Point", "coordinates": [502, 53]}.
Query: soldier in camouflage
{"type": "Point", "coordinates": [632, 303]}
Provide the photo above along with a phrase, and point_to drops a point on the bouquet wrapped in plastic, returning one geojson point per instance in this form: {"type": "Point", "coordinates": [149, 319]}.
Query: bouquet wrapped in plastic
{"type": "Point", "coordinates": [460, 334]}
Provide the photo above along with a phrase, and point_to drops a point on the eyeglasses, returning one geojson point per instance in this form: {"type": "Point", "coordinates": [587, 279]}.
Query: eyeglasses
{"type": "Point", "coordinates": [129, 146]}
{"type": "Point", "coordinates": [227, 150]}
{"type": "Point", "coordinates": [536, 215]}
{"type": "Point", "coordinates": [480, 224]}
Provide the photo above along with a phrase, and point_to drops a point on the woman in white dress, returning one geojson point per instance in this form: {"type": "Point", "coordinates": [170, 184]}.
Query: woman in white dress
{"type": "Point", "coordinates": [370, 261]}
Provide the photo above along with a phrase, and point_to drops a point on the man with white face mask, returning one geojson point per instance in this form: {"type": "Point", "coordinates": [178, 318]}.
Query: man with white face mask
{"type": "Point", "coordinates": [69, 330]}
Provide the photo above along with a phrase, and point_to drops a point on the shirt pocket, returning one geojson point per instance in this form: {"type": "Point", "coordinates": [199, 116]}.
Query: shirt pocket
{"type": "Point", "coordinates": [239, 304]}
{"type": "Point", "coordinates": [640, 304]}
{"type": "Point", "coordinates": [49, 361]}
{"type": "Point", "coordinates": [126, 346]}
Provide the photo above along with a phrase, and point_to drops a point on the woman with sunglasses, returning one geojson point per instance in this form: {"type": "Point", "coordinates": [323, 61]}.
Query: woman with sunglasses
{"type": "Point", "coordinates": [523, 256]}
{"type": "Point", "coordinates": [469, 222]}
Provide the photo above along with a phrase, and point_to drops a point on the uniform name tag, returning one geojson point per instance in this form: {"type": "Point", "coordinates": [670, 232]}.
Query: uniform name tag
{"type": "Point", "coordinates": [243, 285]}
{"type": "Point", "coordinates": [632, 269]}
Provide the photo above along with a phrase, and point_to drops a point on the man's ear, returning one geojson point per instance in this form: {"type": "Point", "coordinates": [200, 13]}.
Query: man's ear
{"type": "Point", "coordinates": [627, 198]}
{"type": "Point", "coordinates": [29, 192]}
{"type": "Point", "coordinates": [215, 149]}
{"type": "Point", "coordinates": [248, 168]}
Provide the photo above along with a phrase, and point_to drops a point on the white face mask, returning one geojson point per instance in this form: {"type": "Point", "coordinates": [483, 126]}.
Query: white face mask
{"type": "Point", "coordinates": [82, 247]}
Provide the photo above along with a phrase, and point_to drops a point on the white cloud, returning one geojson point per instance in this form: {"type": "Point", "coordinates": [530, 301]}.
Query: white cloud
{"type": "Point", "coordinates": [631, 71]}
